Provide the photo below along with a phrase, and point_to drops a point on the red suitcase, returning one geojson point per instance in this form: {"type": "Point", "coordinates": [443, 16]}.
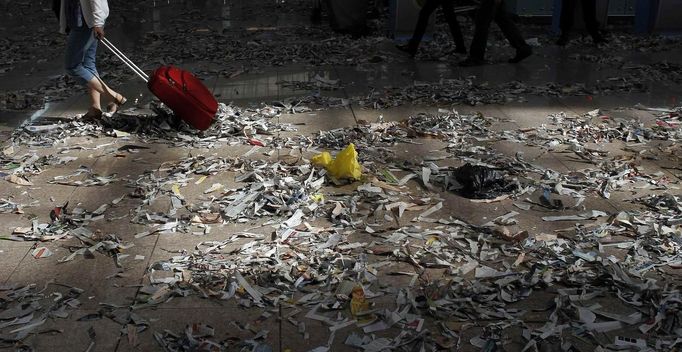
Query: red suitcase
{"type": "Point", "coordinates": [183, 93]}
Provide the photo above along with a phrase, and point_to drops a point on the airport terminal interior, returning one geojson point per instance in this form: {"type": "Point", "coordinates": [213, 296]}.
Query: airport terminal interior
{"type": "Point", "coordinates": [340, 175]}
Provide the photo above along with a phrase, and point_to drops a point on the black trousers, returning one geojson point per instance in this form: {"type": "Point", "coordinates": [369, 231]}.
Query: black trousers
{"type": "Point", "coordinates": [448, 10]}
{"type": "Point", "coordinates": [494, 10]}
{"type": "Point", "coordinates": [589, 16]}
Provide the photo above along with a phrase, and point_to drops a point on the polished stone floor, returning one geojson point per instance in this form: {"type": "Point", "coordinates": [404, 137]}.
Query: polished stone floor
{"type": "Point", "coordinates": [130, 24]}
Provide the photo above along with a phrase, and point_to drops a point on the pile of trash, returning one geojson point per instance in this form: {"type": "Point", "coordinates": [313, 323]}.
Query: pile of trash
{"type": "Point", "coordinates": [383, 263]}
{"type": "Point", "coordinates": [271, 190]}
{"type": "Point", "coordinates": [445, 92]}
{"type": "Point", "coordinates": [620, 41]}
{"type": "Point", "coordinates": [161, 125]}
{"type": "Point", "coordinates": [465, 91]}
{"type": "Point", "coordinates": [316, 83]}
{"type": "Point", "coordinates": [638, 74]}
{"type": "Point", "coordinates": [65, 223]}
{"type": "Point", "coordinates": [9, 207]}
{"type": "Point", "coordinates": [195, 337]}
{"type": "Point", "coordinates": [446, 124]}
{"type": "Point", "coordinates": [336, 277]}
{"type": "Point", "coordinates": [322, 253]}
{"type": "Point", "coordinates": [668, 206]}
{"type": "Point", "coordinates": [26, 308]}
{"type": "Point", "coordinates": [260, 270]}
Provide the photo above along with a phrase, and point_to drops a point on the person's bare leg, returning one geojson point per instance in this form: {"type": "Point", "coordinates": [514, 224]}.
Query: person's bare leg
{"type": "Point", "coordinates": [95, 97]}
{"type": "Point", "coordinates": [107, 93]}
{"type": "Point", "coordinates": [95, 110]}
{"type": "Point", "coordinates": [116, 99]}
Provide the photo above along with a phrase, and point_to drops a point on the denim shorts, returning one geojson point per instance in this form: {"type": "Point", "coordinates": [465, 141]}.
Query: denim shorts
{"type": "Point", "coordinates": [81, 52]}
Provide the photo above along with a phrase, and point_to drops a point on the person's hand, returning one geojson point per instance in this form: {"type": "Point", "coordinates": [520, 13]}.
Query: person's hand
{"type": "Point", "coordinates": [99, 32]}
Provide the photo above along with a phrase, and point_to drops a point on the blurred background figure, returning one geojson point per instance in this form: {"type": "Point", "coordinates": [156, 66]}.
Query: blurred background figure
{"type": "Point", "coordinates": [495, 10]}
{"type": "Point", "coordinates": [589, 8]}
{"type": "Point", "coordinates": [427, 10]}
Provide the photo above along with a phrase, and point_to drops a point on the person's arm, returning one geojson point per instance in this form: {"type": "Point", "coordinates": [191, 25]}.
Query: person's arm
{"type": "Point", "coordinates": [100, 10]}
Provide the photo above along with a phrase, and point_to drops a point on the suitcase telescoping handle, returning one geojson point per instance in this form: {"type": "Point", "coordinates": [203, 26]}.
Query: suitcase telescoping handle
{"type": "Point", "coordinates": [125, 59]}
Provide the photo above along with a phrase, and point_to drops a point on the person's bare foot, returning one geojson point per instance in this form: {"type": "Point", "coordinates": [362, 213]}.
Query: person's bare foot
{"type": "Point", "coordinates": [112, 108]}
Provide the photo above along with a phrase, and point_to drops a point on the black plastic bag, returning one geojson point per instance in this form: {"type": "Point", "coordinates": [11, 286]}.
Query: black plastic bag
{"type": "Point", "coordinates": [480, 182]}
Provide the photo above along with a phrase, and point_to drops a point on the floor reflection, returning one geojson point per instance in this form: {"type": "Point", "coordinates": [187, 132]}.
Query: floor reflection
{"type": "Point", "coordinates": [265, 86]}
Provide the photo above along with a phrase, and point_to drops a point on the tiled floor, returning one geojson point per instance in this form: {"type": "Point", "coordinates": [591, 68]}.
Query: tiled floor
{"type": "Point", "coordinates": [130, 24]}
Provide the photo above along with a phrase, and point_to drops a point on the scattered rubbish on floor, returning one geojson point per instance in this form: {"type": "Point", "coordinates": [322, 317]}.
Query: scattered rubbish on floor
{"type": "Point", "coordinates": [313, 84]}
{"type": "Point", "coordinates": [41, 252]}
{"type": "Point", "coordinates": [368, 235]}
{"type": "Point", "coordinates": [26, 309]}
{"type": "Point", "coordinates": [460, 234]}
{"type": "Point", "coordinates": [9, 207]}
{"type": "Point", "coordinates": [18, 180]}
{"type": "Point", "coordinates": [231, 124]}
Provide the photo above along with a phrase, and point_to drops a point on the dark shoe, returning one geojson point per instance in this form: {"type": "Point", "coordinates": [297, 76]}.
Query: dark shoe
{"type": "Point", "coordinates": [470, 62]}
{"type": "Point", "coordinates": [563, 40]}
{"type": "Point", "coordinates": [521, 54]}
{"type": "Point", "coordinates": [407, 48]}
{"type": "Point", "coordinates": [92, 115]}
{"type": "Point", "coordinates": [598, 39]}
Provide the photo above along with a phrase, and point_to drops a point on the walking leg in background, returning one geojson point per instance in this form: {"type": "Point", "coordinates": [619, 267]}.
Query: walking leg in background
{"type": "Point", "coordinates": [591, 23]}
{"type": "Point", "coordinates": [316, 14]}
{"type": "Point", "coordinates": [495, 10]}
{"type": "Point", "coordinates": [513, 35]}
{"type": "Point", "coordinates": [424, 14]}
{"type": "Point", "coordinates": [457, 36]}
{"type": "Point", "coordinates": [484, 17]}
{"type": "Point", "coordinates": [566, 21]}
{"type": "Point", "coordinates": [589, 8]}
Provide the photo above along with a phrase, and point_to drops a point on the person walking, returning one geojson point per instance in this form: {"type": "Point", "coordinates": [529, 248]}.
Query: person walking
{"type": "Point", "coordinates": [83, 21]}
{"type": "Point", "coordinates": [422, 22]}
{"type": "Point", "coordinates": [589, 16]}
{"type": "Point", "coordinates": [488, 11]}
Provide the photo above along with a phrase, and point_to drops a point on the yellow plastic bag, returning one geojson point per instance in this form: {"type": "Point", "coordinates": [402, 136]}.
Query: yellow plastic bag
{"type": "Point", "coordinates": [345, 165]}
{"type": "Point", "coordinates": [323, 159]}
